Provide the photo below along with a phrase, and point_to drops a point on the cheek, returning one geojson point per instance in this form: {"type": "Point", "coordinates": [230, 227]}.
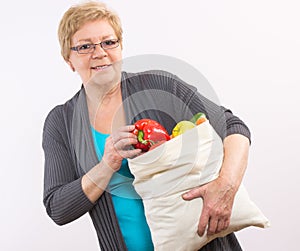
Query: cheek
{"type": "Point", "coordinates": [81, 65]}
{"type": "Point", "coordinates": [116, 57]}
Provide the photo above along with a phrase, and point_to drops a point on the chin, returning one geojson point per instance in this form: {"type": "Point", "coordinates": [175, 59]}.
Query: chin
{"type": "Point", "coordinates": [107, 77]}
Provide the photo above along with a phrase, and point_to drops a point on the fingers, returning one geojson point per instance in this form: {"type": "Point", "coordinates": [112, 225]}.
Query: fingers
{"type": "Point", "coordinates": [204, 219]}
{"type": "Point", "coordinates": [122, 141]}
{"type": "Point", "coordinates": [213, 224]}
{"type": "Point", "coordinates": [217, 206]}
{"type": "Point", "coordinates": [222, 225]}
{"type": "Point", "coordinates": [123, 137]}
{"type": "Point", "coordinates": [119, 145]}
{"type": "Point", "coordinates": [193, 194]}
{"type": "Point", "coordinates": [126, 128]}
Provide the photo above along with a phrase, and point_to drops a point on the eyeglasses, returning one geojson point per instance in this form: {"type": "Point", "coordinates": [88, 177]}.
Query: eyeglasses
{"type": "Point", "coordinates": [90, 48]}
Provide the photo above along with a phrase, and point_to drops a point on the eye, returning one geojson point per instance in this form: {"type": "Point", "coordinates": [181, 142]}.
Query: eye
{"type": "Point", "coordinates": [84, 47]}
{"type": "Point", "coordinates": [110, 42]}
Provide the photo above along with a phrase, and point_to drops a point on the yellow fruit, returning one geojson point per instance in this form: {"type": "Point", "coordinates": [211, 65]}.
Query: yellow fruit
{"type": "Point", "coordinates": [182, 127]}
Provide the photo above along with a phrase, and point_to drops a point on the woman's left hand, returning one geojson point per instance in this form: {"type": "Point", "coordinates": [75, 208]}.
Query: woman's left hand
{"type": "Point", "coordinates": [218, 197]}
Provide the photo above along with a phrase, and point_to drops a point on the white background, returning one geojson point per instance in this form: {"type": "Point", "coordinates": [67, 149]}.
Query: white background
{"type": "Point", "coordinates": [248, 50]}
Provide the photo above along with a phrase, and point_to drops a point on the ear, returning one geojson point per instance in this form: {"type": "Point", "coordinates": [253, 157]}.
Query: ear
{"type": "Point", "coordinates": [71, 65]}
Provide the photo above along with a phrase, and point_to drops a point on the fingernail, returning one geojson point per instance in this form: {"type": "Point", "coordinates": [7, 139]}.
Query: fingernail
{"type": "Point", "coordinates": [200, 234]}
{"type": "Point", "coordinates": [185, 196]}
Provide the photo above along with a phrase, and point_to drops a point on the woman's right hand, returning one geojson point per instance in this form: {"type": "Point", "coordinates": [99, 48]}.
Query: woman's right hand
{"type": "Point", "coordinates": [118, 146]}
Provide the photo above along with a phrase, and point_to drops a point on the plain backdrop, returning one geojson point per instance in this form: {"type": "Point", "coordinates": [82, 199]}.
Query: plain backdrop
{"type": "Point", "coordinates": [249, 51]}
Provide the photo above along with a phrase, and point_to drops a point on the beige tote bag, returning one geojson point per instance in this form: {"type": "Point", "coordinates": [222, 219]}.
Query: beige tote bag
{"type": "Point", "coordinates": [163, 174]}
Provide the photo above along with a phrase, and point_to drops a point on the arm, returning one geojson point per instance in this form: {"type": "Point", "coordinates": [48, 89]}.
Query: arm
{"type": "Point", "coordinates": [116, 148]}
{"type": "Point", "coordinates": [67, 197]}
{"type": "Point", "coordinates": [218, 195]}
{"type": "Point", "coordinates": [64, 198]}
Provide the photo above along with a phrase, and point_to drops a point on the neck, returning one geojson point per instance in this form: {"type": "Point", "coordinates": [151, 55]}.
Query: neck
{"type": "Point", "coordinates": [97, 96]}
{"type": "Point", "coordinates": [103, 95]}
{"type": "Point", "coordinates": [97, 89]}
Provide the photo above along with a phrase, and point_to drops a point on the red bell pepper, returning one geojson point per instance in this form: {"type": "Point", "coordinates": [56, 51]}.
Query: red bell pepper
{"type": "Point", "coordinates": [149, 132]}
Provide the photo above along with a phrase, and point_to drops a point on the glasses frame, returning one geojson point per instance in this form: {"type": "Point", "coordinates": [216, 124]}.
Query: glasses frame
{"type": "Point", "coordinates": [93, 46]}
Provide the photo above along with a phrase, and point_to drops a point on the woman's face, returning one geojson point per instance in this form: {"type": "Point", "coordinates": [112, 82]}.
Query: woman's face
{"type": "Point", "coordinates": [100, 60]}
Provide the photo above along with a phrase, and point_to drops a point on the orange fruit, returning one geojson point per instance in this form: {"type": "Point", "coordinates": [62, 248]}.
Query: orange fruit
{"type": "Point", "coordinates": [200, 120]}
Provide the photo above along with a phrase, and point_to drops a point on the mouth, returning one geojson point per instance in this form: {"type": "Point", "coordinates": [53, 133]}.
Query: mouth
{"type": "Point", "coordinates": [101, 67]}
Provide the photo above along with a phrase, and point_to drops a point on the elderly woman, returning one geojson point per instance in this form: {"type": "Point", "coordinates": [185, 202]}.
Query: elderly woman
{"type": "Point", "coordinates": [87, 140]}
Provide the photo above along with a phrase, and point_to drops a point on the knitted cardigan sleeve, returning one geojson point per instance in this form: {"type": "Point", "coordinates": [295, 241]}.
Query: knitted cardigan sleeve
{"type": "Point", "coordinates": [64, 198]}
{"type": "Point", "coordinates": [163, 91]}
{"type": "Point", "coordinates": [222, 119]}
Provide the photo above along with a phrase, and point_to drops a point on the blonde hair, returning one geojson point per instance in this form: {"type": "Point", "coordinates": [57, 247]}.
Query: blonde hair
{"type": "Point", "coordinates": [78, 15]}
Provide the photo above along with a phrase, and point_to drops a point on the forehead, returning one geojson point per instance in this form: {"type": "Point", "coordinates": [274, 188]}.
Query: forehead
{"type": "Point", "coordinates": [94, 31]}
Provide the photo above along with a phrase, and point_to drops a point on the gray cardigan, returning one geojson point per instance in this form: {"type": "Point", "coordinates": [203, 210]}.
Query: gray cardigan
{"type": "Point", "coordinates": [69, 149]}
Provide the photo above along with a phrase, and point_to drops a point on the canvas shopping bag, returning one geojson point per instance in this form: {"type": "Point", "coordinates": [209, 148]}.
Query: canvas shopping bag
{"type": "Point", "coordinates": [163, 174]}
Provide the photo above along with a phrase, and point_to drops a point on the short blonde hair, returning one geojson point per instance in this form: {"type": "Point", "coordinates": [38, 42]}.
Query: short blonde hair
{"type": "Point", "coordinates": [78, 15]}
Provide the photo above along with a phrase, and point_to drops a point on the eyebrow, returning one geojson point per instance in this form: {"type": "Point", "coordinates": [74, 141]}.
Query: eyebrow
{"type": "Point", "coordinates": [90, 40]}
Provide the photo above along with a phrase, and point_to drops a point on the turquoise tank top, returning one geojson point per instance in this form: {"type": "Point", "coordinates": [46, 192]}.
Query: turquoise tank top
{"type": "Point", "coordinates": [127, 203]}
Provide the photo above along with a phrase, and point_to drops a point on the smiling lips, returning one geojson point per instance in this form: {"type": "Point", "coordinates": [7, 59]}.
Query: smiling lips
{"type": "Point", "coordinates": [101, 67]}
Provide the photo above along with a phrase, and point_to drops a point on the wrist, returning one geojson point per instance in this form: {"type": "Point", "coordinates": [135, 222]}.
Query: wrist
{"type": "Point", "coordinates": [109, 166]}
{"type": "Point", "coordinates": [105, 168]}
{"type": "Point", "coordinates": [95, 182]}
{"type": "Point", "coordinates": [230, 183]}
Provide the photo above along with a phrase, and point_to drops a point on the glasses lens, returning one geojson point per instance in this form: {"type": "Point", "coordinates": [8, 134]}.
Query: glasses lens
{"type": "Point", "coordinates": [85, 48]}
{"type": "Point", "coordinates": [110, 44]}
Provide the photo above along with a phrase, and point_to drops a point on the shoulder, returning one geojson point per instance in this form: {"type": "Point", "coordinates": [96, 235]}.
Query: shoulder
{"type": "Point", "coordinates": [149, 74]}
{"type": "Point", "coordinates": [152, 79]}
{"type": "Point", "coordinates": [59, 116]}
{"type": "Point", "coordinates": [157, 82]}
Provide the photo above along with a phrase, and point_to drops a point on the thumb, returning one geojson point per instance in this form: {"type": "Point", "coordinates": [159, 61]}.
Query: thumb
{"type": "Point", "coordinates": [193, 193]}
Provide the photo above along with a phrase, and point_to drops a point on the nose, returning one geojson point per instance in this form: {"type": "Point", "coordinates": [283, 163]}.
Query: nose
{"type": "Point", "coordinates": [99, 52]}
